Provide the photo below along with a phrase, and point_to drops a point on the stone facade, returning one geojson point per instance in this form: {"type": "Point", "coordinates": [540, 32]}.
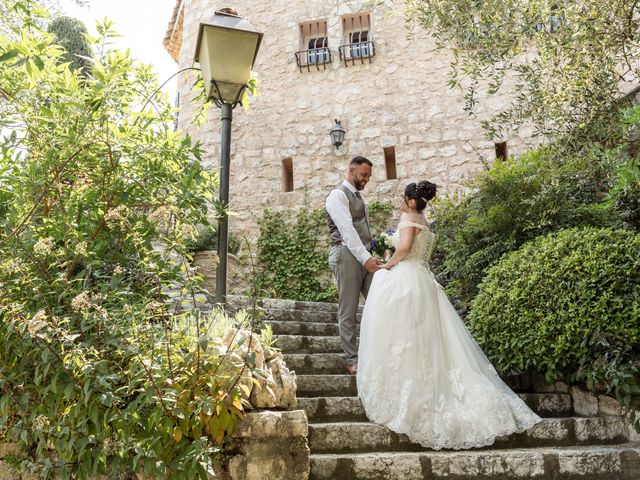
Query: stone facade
{"type": "Point", "coordinates": [400, 99]}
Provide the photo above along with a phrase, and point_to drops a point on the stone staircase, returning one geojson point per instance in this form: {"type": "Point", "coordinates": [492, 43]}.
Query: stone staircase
{"type": "Point", "coordinates": [345, 445]}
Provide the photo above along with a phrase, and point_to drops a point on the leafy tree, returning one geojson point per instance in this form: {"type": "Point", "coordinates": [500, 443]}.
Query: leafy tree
{"type": "Point", "coordinates": [564, 63]}
{"type": "Point", "coordinates": [70, 33]}
{"type": "Point", "coordinates": [99, 372]}
{"type": "Point", "coordinates": [16, 14]}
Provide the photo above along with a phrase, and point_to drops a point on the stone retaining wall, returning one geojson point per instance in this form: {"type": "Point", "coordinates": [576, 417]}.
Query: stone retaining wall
{"type": "Point", "coordinates": [585, 403]}
{"type": "Point", "coordinates": [266, 445]}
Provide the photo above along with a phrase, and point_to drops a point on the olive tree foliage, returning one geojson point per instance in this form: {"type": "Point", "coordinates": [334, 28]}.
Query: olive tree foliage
{"type": "Point", "coordinates": [567, 62]}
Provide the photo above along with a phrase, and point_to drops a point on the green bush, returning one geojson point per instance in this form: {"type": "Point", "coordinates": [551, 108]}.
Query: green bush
{"type": "Point", "coordinates": [625, 195]}
{"type": "Point", "coordinates": [97, 375]}
{"type": "Point", "coordinates": [566, 305]}
{"type": "Point", "coordinates": [515, 201]}
{"type": "Point", "coordinates": [206, 238]}
{"type": "Point", "coordinates": [380, 214]}
{"type": "Point", "coordinates": [293, 255]}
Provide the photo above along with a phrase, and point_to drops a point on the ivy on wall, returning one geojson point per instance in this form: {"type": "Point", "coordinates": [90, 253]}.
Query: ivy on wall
{"type": "Point", "coordinates": [293, 249]}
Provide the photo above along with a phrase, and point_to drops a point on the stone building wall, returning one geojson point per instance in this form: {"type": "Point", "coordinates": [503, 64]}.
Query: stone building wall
{"type": "Point", "coordinates": [400, 99]}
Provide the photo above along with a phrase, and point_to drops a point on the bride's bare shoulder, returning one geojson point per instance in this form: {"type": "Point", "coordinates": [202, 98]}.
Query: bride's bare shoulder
{"type": "Point", "coordinates": [413, 218]}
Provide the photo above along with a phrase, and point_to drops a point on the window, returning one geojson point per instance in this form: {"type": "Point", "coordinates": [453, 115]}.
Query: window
{"type": "Point", "coordinates": [357, 38]}
{"type": "Point", "coordinates": [501, 151]}
{"type": "Point", "coordinates": [314, 45]}
{"type": "Point", "coordinates": [359, 44]}
{"type": "Point", "coordinates": [317, 51]}
{"type": "Point", "coordinates": [287, 174]}
{"type": "Point", "coordinates": [390, 162]}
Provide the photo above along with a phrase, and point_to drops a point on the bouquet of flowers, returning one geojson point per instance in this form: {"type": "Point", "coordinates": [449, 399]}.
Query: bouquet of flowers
{"type": "Point", "coordinates": [382, 245]}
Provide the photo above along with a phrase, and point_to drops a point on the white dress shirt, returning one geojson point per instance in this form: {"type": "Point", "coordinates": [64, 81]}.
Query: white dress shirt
{"type": "Point", "coordinates": [337, 206]}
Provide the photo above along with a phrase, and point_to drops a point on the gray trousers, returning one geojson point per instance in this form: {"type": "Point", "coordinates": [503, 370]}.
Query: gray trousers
{"type": "Point", "coordinates": [352, 279]}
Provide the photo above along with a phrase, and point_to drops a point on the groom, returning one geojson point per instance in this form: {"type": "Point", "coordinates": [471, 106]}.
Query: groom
{"type": "Point", "coordinates": [350, 257]}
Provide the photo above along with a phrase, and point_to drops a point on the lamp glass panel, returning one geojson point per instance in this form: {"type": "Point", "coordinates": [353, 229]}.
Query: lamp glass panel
{"type": "Point", "coordinates": [226, 56]}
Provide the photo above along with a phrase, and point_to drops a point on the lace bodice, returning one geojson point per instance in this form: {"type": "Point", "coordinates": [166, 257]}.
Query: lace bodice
{"type": "Point", "coordinates": [423, 243]}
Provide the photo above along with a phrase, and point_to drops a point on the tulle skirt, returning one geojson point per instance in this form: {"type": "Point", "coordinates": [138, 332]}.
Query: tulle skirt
{"type": "Point", "coordinates": [421, 373]}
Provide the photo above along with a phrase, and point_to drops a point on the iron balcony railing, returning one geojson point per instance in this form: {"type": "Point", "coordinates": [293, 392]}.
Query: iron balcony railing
{"type": "Point", "coordinates": [357, 51]}
{"type": "Point", "coordinates": [313, 57]}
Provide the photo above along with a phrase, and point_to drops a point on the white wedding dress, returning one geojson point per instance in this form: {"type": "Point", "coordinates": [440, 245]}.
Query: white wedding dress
{"type": "Point", "coordinates": [420, 372]}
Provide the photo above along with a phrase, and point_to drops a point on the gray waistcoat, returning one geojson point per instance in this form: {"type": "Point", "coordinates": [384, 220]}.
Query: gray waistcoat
{"type": "Point", "coordinates": [359, 215]}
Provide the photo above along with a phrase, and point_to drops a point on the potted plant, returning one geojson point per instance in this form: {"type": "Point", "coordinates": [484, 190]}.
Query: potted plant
{"type": "Point", "coordinates": [203, 249]}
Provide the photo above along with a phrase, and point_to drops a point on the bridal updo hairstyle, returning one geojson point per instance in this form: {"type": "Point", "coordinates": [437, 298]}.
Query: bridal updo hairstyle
{"type": "Point", "coordinates": [421, 192]}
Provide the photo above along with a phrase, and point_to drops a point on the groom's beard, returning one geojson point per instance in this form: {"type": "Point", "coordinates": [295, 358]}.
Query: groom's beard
{"type": "Point", "coordinates": [359, 185]}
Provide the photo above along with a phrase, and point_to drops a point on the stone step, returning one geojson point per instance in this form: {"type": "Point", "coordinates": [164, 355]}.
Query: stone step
{"type": "Point", "coordinates": [326, 386]}
{"type": "Point", "coordinates": [619, 462]}
{"type": "Point", "coordinates": [333, 409]}
{"type": "Point", "coordinates": [238, 301]}
{"type": "Point", "coordinates": [299, 316]}
{"type": "Point", "coordinates": [360, 437]}
{"type": "Point", "coordinates": [308, 344]}
{"type": "Point", "coordinates": [316, 363]}
{"type": "Point", "coordinates": [334, 364]}
{"type": "Point", "coordinates": [303, 328]}
{"type": "Point", "coordinates": [339, 409]}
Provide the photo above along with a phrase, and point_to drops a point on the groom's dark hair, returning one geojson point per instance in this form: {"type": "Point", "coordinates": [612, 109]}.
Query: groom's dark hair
{"type": "Point", "coordinates": [359, 161]}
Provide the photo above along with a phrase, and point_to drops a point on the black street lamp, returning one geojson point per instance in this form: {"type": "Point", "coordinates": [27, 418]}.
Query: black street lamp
{"type": "Point", "coordinates": [226, 51]}
{"type": "Point", "coordinates": [337, 134]}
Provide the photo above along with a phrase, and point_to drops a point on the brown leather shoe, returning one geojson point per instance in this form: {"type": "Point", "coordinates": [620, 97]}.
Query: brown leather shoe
{"type": "Point", "coordinates": [352, 368]}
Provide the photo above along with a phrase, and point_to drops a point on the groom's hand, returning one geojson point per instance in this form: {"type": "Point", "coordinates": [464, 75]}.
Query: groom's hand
{"type": "Point", "coordinates": [372, 265]}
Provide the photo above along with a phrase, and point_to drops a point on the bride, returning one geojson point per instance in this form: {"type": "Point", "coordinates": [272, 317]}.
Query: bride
{"type": "Point", "coordinates": [420, 371]}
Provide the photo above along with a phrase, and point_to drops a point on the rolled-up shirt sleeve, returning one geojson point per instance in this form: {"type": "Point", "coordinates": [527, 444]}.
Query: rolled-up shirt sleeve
{"type": "Point", "coordinates": [337, 206]}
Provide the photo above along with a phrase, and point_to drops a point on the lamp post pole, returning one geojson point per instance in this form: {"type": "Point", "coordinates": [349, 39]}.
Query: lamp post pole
{"type": "Point", "coordinates": [223, 223]}
{"type": "Point", "coordinates": [226, 50]}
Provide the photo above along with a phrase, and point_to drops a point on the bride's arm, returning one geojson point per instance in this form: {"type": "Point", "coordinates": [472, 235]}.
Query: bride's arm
{"type": "Point", "coordinates": [407, 235]}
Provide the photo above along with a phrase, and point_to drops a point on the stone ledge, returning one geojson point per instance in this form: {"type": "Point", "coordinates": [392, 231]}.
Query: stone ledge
{"type": "Point", "coordinates": [272, 424]}
{"type": "Point", "coordinates": [268, 445]}
{"type": "Point", "coordinates": [619, 462]}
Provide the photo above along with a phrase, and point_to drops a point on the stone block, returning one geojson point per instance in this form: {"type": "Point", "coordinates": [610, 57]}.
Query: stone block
{"type": "Point", "coordinates": [549, 430]}
{"type": "Point", "coordinates": [489, 465]}
{"type": "Point", "coordinates": [609, 406]}
{"type": "Point", "coordinates": [438, 166]}
{"type": "Point", "coordinates": [585, 463]}
{"type": "Point", "coordinates": [267, 446]}
{"type": "Point", "coordinates": [584, 403]}
{"type": "Point", "coordinates": [540, 385]}
{"type": "Point", "coordinates": [447, 151]}
{"type": "Point", "coordinates": [272, 424]}
{"type": "Point", "coordinates": [600, 429]}
{"type": "Point", "coordinates": [632, 433]}
{"type": "Point", "coordinates": [406, 467]}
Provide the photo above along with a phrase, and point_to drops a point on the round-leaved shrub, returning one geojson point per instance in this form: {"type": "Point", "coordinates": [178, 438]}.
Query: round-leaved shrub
{"type": "Point", "coordinates": [566, 305]}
